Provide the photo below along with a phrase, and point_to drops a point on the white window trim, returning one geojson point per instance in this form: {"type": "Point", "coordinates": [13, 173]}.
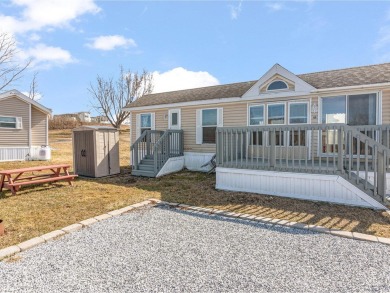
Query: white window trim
{"type": "Point", "coordinates": [285, 111]}
{"type": "Point", "coordinates": [337, 94]}
{"type": "Point", "coordinates": [248, 114]}
{"type": "Point", "coordinates": [138, 122]}
{"type": "Point", "coordinates": [18, 123]}
{"type": "Point", "coordinates": [378, 103]}
{"type": "Point", "coordinates": [178, 111]}
{"type": "Point", "coordinates": [277, 90]}
{"type": "Point", "coordinates": [199, 124]}
{"type": "Point", "coordinates": [307, 114]}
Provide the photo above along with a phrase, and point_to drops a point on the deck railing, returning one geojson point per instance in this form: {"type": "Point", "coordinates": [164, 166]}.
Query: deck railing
{"type": "Point", "coordinates": [380, 133]}
{"type": "Point", "coordinates": [311, 148]}
{"type": "Point", "coordinates": [144, 146]}
{"type": "Point", "coordinates": [169, 145]}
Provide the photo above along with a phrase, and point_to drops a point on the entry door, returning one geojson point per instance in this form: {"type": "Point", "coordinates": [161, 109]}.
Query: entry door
{"type": "Point", "coordinates": [174, 123]}
{"type": "Point", "coordinates": [174, 119]}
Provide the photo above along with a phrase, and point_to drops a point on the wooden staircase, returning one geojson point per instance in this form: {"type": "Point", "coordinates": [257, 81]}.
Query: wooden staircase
{"type": "Point", "coordinates": [145, 167]}
{"type": "Point", "coordinates": [153, 149]}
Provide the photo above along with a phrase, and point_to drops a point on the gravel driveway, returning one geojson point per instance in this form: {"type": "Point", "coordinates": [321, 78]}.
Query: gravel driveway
{"type": "Point", "coordinates": [166, 250]}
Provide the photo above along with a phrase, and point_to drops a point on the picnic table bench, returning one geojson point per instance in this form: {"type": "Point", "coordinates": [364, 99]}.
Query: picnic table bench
{"type": "Point", "coordinates": [13, 180]}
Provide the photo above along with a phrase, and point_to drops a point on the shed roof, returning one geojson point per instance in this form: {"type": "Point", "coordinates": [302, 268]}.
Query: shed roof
{"type": "Point", "coordinates": [94, 127]}
{"type": "Point", "coordinates": [362, 75]}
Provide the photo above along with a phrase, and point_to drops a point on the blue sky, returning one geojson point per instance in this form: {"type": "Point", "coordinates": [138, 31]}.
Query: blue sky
{"type": "Point", "coordinates": [187, 43]}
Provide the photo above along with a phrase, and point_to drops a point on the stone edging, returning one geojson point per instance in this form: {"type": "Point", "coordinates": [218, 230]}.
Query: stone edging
{"type": "Point", "coordinates": [11, 250]}
{"type": "Point", "coordinates": [273, 221]}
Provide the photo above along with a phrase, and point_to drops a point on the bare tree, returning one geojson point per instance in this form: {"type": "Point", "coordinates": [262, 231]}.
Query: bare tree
{"type": "Point", "coordinates": [10, 69]}
{"type": "Point", "coordinates": [33, 93]}
{"type": "Point", "coordinates": [110, 96]}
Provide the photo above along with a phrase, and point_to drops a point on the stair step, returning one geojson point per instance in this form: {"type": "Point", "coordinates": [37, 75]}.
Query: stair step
{"type": "Point", "coordinates": [145, 167]}
{"type": "Point", "coordinates": [147, 162]}
{"type": "Point", "coordinates": [143, 173]}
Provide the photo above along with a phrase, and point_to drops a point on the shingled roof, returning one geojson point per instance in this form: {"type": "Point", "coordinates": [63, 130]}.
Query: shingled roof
{"type": "Point", "coordinates": [363, 75]}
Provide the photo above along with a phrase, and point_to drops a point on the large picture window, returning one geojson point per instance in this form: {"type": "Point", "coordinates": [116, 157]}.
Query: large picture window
{"type": "Point", "coordinates": [10, 122]}
{"type": "Point", "coordinates": [209, 125]}
{"type": "Point", "coordinates": [350, 109]}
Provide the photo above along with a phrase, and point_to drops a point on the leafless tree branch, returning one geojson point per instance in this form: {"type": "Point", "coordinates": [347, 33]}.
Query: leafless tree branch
{"type": "Point", "coordinates": [33, 93]}
{"type": "Point", "coordinates": [10, 69]}
{"type": "Point", "coordinates": [109, 96]}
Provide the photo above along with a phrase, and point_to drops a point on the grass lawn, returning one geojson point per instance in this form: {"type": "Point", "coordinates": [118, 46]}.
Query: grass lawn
{"type": "Point", "coordinates": [41, 209]}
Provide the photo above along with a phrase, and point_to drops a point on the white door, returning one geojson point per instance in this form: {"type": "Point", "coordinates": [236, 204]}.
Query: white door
{"type": "Point", "coordinates": [174, 123]}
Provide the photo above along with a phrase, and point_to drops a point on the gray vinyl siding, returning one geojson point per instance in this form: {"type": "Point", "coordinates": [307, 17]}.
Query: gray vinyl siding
{"type": "Point", "coordinates": [38, 127]}
{"type": "Point", "coordinates": [15, 107]}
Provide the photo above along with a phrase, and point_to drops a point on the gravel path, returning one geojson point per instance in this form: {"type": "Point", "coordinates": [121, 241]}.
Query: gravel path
{"type": "Point", "coordinates": [166, 250]}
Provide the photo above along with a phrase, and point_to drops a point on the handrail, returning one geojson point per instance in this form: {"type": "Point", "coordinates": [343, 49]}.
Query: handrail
{"type": "Point", "coordinates": [138, 140]}
{"type": "Point", "coordinates": [144, 146]}
{"type": "Point", "coordinates": [168, 146]}
{"type": "Point", "coordinates": [311, 148]}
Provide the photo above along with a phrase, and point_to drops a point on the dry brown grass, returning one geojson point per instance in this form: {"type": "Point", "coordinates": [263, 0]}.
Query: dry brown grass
{"type": "Point", "coordinates": [40, 209]}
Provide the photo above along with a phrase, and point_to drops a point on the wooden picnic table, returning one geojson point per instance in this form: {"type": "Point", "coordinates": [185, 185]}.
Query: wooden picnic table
{"type": "Point", "coordinates": [14, 179]}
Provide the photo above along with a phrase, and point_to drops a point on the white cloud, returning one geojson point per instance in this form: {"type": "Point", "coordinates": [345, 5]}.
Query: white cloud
{"type": "Point", "coordinates": [235, 10]}
{"type": "Point", "coordinates": [107, 43]}
{"type": "Point", "coordinates": [180, 78]}
{"type": "Point", "coordinates": [45, 14]}
{"type": "Point", "coordinates": [45, 57]}
{"type": "Point", "coordinates": [384, 37]}
{"type": "Point", "coordinates": [34, 37]}
{"type": "Point", "coordinates": [275, 6]}
{"type": "Point", "coordinates": [38, 96]}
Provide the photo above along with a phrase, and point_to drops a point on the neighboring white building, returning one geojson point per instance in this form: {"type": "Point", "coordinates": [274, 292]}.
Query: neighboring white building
{"type": "Point", "coordinates": [84, 116]}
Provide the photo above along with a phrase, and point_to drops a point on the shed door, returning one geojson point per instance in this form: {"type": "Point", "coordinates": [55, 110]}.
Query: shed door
{"type": "Point", "coordinates": [79, 145]}
{"type": "Point", "coordinates": [89, 154]}
{"type": "Point", "coordinates": [84, 153]}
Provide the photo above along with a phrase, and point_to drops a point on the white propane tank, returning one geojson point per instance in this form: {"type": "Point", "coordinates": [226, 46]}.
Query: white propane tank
{"type": "Point", "coordinates": [44, 153]}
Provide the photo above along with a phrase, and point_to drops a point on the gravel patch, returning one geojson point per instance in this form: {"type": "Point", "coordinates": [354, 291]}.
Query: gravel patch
{"type": "Point", "coordinates": [157, 249]}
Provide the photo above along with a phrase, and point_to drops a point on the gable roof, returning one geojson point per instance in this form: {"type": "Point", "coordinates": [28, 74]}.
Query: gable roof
{"type": "Point", "coordinates": [26, 99]}
{"type": "Point", "coordinates": [362, 75]}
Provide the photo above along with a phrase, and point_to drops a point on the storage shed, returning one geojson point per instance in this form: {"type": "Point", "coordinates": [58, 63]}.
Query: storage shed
{"type": "Point", "coordinates": [96, 151]}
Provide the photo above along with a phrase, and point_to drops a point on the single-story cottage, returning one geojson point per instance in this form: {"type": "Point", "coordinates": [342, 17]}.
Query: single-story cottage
{"type": "Point", "coordinates": [318, 136]}
{"type": "Point", "coordinates": [23, 126]}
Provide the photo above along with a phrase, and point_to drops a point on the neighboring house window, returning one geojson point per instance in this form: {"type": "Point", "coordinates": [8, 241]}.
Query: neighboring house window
{"type": "Point", "coordinates": [256, 118]}
{"type": "Point", "coordinates": [11, 122]}
{"type": "Point", "coordinates": [298, 114]}
{"type": "Point", "coordinates": [207, 122]}
{"type": "Point", "coordinates": [277, 85]}
{"type": "Point", "coordinates": [276, 116]}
